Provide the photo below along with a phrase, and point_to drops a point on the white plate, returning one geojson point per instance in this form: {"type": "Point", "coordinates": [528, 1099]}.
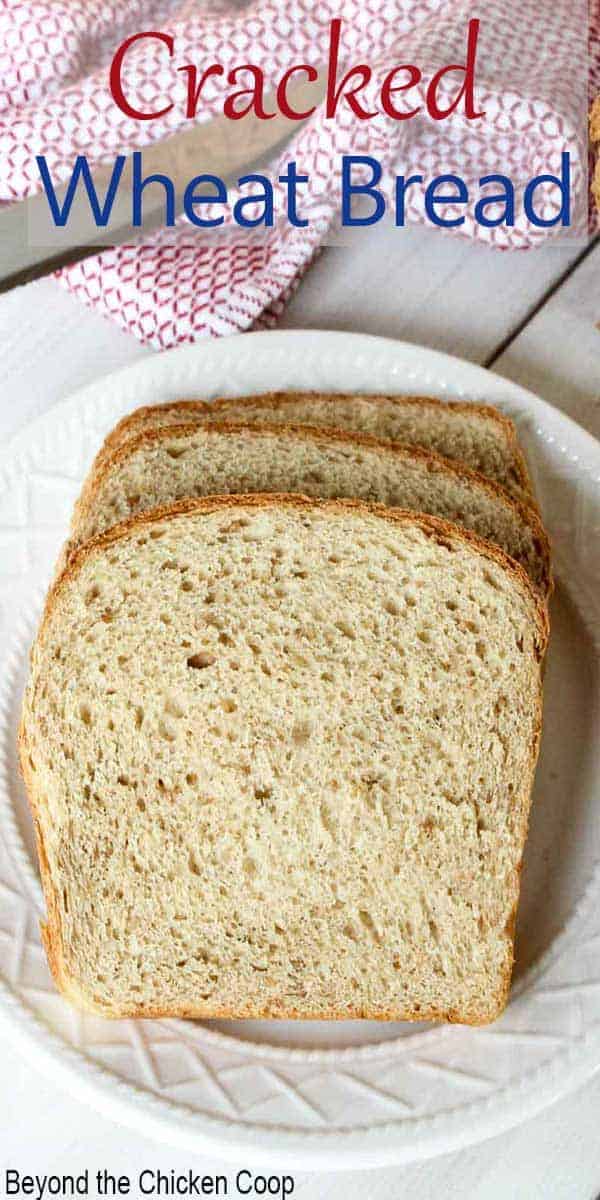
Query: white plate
{"type": "Point", "coordinates": [326, 1095]}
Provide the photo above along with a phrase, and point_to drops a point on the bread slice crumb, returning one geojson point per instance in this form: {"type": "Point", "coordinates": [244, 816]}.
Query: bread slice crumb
{"type": "Point", "coordinates": [280, 756]}
{"type": "Point", "coordinates": [476, 435]}
{"type": "Point", "coordinates": [172, 462]}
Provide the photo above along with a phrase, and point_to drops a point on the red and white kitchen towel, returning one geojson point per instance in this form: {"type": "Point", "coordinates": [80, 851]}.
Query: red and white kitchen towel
{"type": "Point", "coordinates": [173, 286]}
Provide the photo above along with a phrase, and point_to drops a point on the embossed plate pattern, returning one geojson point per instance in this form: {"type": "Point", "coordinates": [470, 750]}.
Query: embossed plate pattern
{"type": "Point", "coordinates": [325, 1095]}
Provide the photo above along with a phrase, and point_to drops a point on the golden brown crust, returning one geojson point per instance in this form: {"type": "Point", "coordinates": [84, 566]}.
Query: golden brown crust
{"type": "Point", "coordinates": [433, 527]}
{"type": "Point", "coordinates": [50, 930]}
{"type": "Point", "coordinates": [278, 400]}
{"type": "Point", "coordinates": [595, 120]}
{"type": "Point", "coordinates": [595, 140]}
{"type": "Point", "coordinates": [511, 923]}
{"type": "Point", "coordinates": [434, 463]}
{"type": "Point", "coordinates": [441, 531]}
{"type": "Point", "coordinates": [451, 1016]}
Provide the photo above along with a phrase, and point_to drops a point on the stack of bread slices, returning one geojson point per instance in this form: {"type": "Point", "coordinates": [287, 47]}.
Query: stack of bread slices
{"type": "Point", "coordinates": [284, 711]}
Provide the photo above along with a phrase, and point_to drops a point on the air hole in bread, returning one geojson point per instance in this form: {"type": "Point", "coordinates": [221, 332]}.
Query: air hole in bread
{"type": "Point", "coordinates": [201, 660]}
{"type": "Point", "coordinates": [491, 581]}
{"type": "Point", "coordinates": [327, 819]}
{"type": "Point", "coordinates": [262, 792]}
{"type": "Point", "coordinates": [238, 523]}
{"type": "Point", "coordinates": [85, 714]}
{"type": "Point", "coordinates": [369, 924]}
{"type": "Point", "coordinates": [433, 929]}
{"type": "Point", "coordinates": [302, 730]}
{"type": "Point", "coordinates": [193, 866]}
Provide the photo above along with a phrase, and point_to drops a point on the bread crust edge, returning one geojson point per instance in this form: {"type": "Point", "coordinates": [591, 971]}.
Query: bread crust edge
{"type": "Point", "coordinates": [278, 400]}
{"type": "Point", "coordinates": [434, 527]}
{"type": "Point", "coordinates": [434, 462]}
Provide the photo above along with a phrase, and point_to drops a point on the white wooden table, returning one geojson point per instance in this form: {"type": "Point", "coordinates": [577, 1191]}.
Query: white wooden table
{"type": "Point", "coordinates": [536, 319]}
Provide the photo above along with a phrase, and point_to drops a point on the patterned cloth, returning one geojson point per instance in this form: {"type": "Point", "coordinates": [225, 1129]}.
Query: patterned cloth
{"type": "Point", "coordinates": [175, 286]}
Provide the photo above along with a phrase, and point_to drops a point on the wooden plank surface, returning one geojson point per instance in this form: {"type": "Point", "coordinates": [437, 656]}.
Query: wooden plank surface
{"type": "Point", "coordinates": [427, 288]}
{"type": "Point", "coordinates": [413, 284]}
{"type": "Point", "coordinates": [557, 354]}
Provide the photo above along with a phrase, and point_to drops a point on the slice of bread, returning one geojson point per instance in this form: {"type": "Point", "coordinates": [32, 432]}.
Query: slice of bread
{"type": "Point", "coordinates": [476, 435]}
{"type": "Point", "coordinates": [174, 462]}
{"type": "Point", "coordinates": [280, 755]}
